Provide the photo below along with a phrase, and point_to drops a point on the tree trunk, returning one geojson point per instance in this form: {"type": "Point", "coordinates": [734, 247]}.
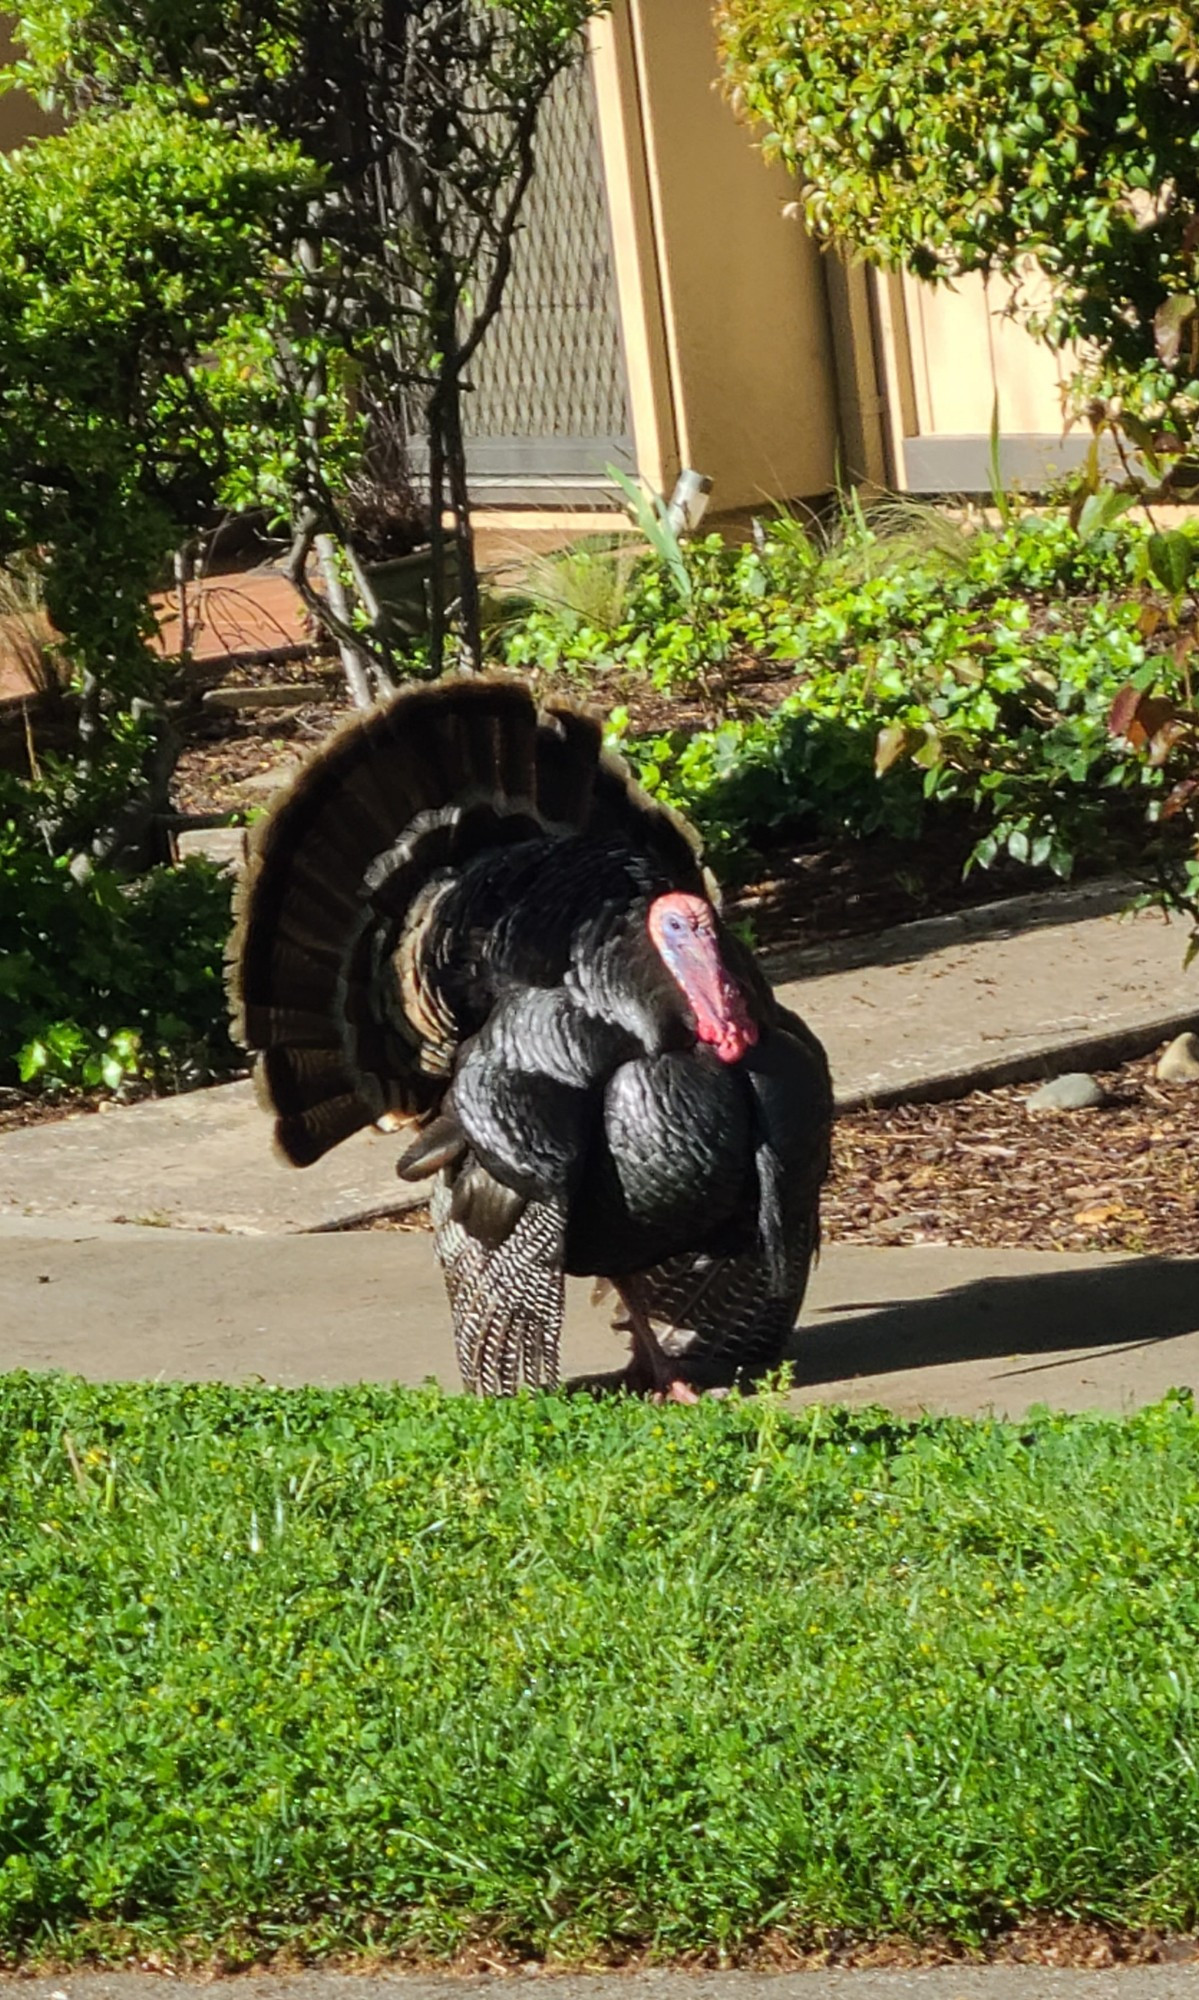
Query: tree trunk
{"type": "Point", "coordinates": [352, 658]}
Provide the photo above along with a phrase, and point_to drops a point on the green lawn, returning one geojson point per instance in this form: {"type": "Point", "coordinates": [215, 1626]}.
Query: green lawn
{"type": "Point", "coordinates": [319, 1669]}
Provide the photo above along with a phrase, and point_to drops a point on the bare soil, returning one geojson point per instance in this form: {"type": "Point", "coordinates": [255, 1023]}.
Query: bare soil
{"type": "Point", "coordinates": [1052, 1941]}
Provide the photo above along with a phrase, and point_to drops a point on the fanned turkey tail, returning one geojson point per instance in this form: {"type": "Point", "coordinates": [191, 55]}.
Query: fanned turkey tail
{"type": "Point", "coordinates": [324, 981]}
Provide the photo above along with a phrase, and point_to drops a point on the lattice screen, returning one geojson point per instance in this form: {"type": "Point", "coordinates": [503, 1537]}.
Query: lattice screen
{"type": "Point", "coordinates": [551, 366]}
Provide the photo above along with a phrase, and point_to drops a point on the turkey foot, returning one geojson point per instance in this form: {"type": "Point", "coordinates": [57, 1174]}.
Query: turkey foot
{"type": "Point", "coordinates": [650, 1371]}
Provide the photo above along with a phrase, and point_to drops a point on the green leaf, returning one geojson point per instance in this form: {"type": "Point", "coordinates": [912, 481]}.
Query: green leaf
{"type": "Point", "coordinates": [1100, 510]}
{"type": "Point", "coordinates": [1172, 559]}
{"type": "Point", "coordinates": [32, 1060]}
{"type": "Point", "coordinates": [650, 514]}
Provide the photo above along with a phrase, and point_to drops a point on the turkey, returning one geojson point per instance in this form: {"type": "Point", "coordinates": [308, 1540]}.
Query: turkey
{"type": "Point", "coordinates": [465, 920]}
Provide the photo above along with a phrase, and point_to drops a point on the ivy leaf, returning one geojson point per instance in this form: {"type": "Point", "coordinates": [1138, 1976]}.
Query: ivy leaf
{"type": "Point", "coordinates": [1099, 510]}
{"type": "Point", "coordinates": [32, 1060]}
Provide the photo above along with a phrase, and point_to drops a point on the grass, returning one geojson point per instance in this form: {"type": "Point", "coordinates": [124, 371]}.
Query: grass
{"type": "Point", "coordinates": [371, 1668]}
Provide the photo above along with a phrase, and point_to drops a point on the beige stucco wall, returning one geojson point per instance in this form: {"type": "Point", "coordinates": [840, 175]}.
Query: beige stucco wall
{"type": "Point", "coordinates": [967, 350]}
{"type": "Point", "coordinates": [723, 301]}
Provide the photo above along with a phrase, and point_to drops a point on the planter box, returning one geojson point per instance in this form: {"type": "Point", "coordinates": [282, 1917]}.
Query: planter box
{"type": "Point", "coordinates": [402, 587]}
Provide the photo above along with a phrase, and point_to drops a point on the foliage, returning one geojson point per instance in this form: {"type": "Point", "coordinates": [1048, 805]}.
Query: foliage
{"type": "Point", "coordinates": [419, 122]}
{"type": "Point", "coordinates": [1163, 731]}
{"type": "Point", "coordinates": [585, 584]}
{"type": "Point", "coordinates": [678, 620]}
{"type": "Point", "coordinates": [267, 236]}
{"type": "Point", "coordinates": [126, 243]}
{"type": "Point", "coordinates": [961, 135]}
{"type": "Point", "coordinates": [107, 982]}
{"type": "Point", "coordinates": [371, 1668]}
{"type": "Point", "coordinates": [975, 672]}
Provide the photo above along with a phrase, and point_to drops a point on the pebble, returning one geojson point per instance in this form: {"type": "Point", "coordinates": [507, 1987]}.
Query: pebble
{"type": "Point", "coordinates": [1180, 1062]}
{"type": "Point", "coordinates": [1074, 1092]}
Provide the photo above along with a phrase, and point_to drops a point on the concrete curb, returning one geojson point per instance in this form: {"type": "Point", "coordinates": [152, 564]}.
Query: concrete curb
{"type": "Point", "coordinates": [959, 1980]}
{"type": "Point", "coordinates": [1035, 1065]}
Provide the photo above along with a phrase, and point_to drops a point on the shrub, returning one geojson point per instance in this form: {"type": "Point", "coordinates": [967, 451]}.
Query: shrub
{"type": "Point", "coordinates": [127, 243]}
{"type": "Point", "coordinates": [107, 982]}
{"type": "Point", "coordinates": [975, 673]}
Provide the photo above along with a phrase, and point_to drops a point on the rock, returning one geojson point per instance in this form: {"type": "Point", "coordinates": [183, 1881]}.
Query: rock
{"type": "Point", "coordinates": [1180, 1062]}
{"type": "Point", "coordinates": [226, 845]}
{"type": "Point", "coordinates": [263, 784]}
{"type": "Point", "coordinates": [282, 694]}
{"type": "Point", "coordinates": [1075, 1091]}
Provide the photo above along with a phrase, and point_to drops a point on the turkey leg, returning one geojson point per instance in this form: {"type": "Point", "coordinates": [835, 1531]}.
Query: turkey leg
{"type": "Point", "coordinates": [651, 1372]}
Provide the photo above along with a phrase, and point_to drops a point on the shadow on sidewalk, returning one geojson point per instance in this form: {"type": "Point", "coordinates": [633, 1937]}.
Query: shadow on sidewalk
{"type": "Point", "coordinates": [1141, 1303]}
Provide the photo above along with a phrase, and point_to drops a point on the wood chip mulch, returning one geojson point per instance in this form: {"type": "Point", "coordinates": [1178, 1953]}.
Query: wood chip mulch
{"type": "Point", "coordinates": [984, 1171]}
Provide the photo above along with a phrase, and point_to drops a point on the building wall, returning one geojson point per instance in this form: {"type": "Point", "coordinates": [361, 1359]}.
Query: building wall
{"type": "Point", "coordinates": [20, 117]}
{"type": "Point", "coordinates": [748, 353]}
{"type": "Point", "coordinates": [727, 337]}
{"type": "Point", "coordinates": [960, 358]}
{"type": "Point", "coordinates": [967, 351]}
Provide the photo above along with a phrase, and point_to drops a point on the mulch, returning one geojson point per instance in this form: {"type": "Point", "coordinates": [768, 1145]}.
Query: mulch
{"type": "Point", "coordinates": [982, 1171]}
{"type": "Point", "coordinates": [227, 757]}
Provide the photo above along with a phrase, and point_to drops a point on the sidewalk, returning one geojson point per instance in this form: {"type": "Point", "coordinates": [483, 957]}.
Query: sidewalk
{"type": "Point", "coordinates": [963, 1332]}
{"type": "Point", "coordinates": [1022, 989]}
{"type": "Point", "coordinates": [1000, 994]}
{"type": "Point", "coordinates": [935, 1982]}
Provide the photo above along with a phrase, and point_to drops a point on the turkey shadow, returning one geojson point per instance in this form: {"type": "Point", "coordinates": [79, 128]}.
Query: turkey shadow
{"type": "Point", "coordinates": [1142, 1303]}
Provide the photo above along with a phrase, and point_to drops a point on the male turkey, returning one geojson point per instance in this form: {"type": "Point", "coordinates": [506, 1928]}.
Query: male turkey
{"type": "Point", "coordinates": [465, 918]}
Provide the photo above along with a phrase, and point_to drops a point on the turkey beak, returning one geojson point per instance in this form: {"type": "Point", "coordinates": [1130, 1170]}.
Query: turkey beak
{"type": "Point", "coordinates": [722, 1019]}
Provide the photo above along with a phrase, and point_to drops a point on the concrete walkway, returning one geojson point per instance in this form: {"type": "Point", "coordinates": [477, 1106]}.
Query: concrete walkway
{"type": "Point", "coordinates": [1178, 1981]}
{"type": "Point", "coordinates": [958, 1331]}
{"type": "Point", "coordinates": [166, 1239]}
{"type": "Point", "coordinates": [1000, 994]}
{"type": "Point", "coordinates": [201, 1161]}
{"type": "Point", "coordinates": [1021, 989]}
